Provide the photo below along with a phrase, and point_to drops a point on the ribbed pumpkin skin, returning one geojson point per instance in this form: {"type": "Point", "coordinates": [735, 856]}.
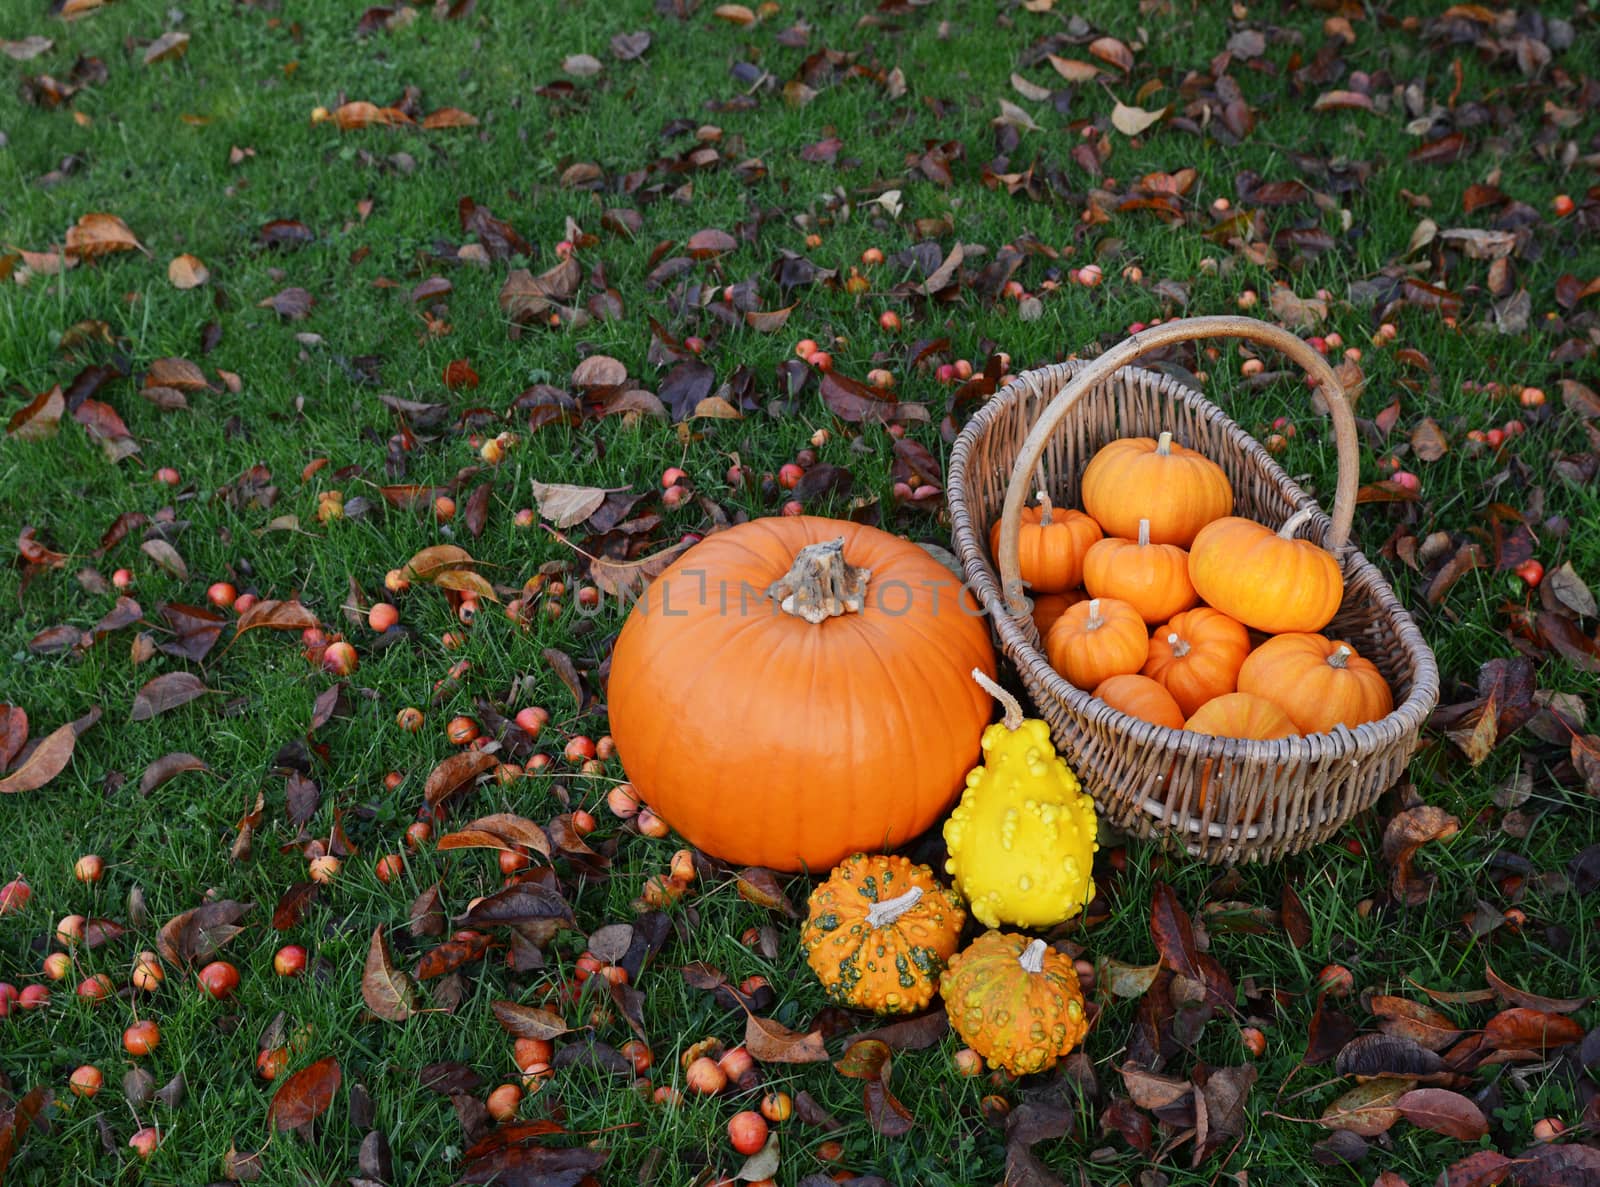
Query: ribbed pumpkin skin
{"type": "Point", "coordinates": [768, 740]}
{"type": "Point", "coordinates": [1178, 492]}
{"type": "Point", "coordinates": [1217, 647]}
{"type": "Point", "coordinates": [1049, 607]}
{"type": "Point", "coordinates": [1152, 578]}
{"type": "Point", "coordinates": [1141, 697]}
{"type": "Point", "coordinates": [893, 969]}
{"type": "Point", "coordinates": [1087, 657]}
{"type": "Point", "coordinates": [1017, 1020]}
{"type": "Point", "coordinates": [1241, 715]}
{"type": "Point", "coordinates": [1050, 555]}
{"type": "Point", "coordinates": [1293, 672]}
{"type": "Point", "coordinates": [1251, 573]}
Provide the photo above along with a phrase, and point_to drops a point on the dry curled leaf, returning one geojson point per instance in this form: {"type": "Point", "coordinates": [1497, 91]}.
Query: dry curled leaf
{"type": "Point", "coordinates": [187, 272]}
{"type": "Point", "coordinates": [389, 992]}
{"type": "Point", "coordinates": [1133, 121]}
{"type": "Point", "coordinates": [166, 692]}
{"type": "Point", "coordinates": [773, 1042]}
{"type": "Point", "coordinates": [49, 758]}
{"type": "Point", "coordinates": [306, 1095]}
{"type": "Point", "coordinates": [98, 235]}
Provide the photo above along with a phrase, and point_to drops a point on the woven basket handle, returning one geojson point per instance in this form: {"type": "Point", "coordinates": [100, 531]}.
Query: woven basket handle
{"type": "Point", "coordinates": [1129, 350]}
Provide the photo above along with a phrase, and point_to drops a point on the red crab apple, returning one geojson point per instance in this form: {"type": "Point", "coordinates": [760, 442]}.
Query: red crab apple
{"type": "Point", "coordinates": [14, 896]}
{"type": "Point", "coordinates": [747, 1131]}
{"type": "Point", "coordinates": [290, 960]}
{"type": "Point", "coordinates": [219, 979]}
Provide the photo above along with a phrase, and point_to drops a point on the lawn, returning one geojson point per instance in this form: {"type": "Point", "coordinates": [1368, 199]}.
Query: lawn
{"type": "Point", "coordinates": [298, 322]}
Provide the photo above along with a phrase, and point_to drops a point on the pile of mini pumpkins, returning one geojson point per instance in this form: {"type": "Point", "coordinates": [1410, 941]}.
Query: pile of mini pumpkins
{"type": "Point", "coordinates": [1148, 598]}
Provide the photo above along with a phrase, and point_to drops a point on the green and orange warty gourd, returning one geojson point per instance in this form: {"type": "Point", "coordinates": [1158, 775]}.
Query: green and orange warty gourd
{"type": "Point", "coordinates": [1141, 697]}
{"type": "Point", "coordinates": [1096, 640]}
{"type": "Point", "coordinates": [1022, 839]}
{"type": "Point", "coordinates": [1152, 578]}
{"type": "Point", "coordinates": [1267, 580]}
{"type": "Point", "coordinates": [1319, 683]}
{"type": "Point", "coordinates": [1197, 656]}
{"type": "Point", "coordinates": [1015, 1001]}
{"type": "Point", "coordinates": [1051, 544]}
{"type": "Point", "coordinates": [1178, 490]}
{"type": "Point", "coordinates": [878, 933]}
{"type": "Point", "coordinates": [796, 689]}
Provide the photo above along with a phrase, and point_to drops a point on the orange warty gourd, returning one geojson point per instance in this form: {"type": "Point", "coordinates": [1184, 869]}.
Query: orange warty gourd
{"type": "Point", "coordinates": [1267, 580]}
{"type": "Point", "coordinates": [1319, 683]}
{"type": "Point", "coordinates": [1178, 490]}
{"type": "Point", "coordinates": [1049, 607]}
{"type": "Point", "coordinates": [1241, 715]}
{"type": "Point", "coordinates": [1051, 545]}
{"type": "Point", "coordinates": [1152, 578]}
{"type": "Point", "coordinates": [1015, 1001]}
{"type": "Point", "coordinates": [797, 689]}
{"type": "Point", "coordinates": [1096, 640]}
{"type": "Point", "coordinates": [1197, 656]}
{"type": "Point", "coordinates": [1141, 697]}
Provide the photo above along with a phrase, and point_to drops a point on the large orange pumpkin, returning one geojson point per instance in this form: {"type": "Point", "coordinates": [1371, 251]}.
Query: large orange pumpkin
{"type": "Point", "coordinates": [1050, 545]}
{"type": "Point", "coordinates": [1267, 580]}
{"type": "Point", "coordinates": [1097, 639]}
{"type": "Point", "coordinates": [794, 690]}
{"type": "Point", "coordinates": [1197, 656]}
{"type": "Point", "coordinates": [1152, 578]}
{"type": "Point", "coordinates": [1141, 697]}
{"type": "Point", "coordinates": [1178, 490]}
{"type": "Point", "coordinates": [1317, 682]}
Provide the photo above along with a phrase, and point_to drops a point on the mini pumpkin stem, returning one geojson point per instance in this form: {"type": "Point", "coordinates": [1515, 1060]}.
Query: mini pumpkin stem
{"type": "Point", "coordinates": [1032, 958]}
{"type": "Point", "coordinates": [1144, 533]}
{"type": "Point", "coordinates": [1292, 524]}
{"type": "Point", "coordinates": [1094, 621]}
{"type": "Point", "coordinates": [821, 584]}
{"type": "Point", "coordinates": [1044, 509]}
{"type": "Point", "coordinates": [1164, 444]}
{"type": "Point", "coordinates": [1180, 647]}
{"type": "Point", "coordinates": [884, 913]}
{"type": "Point", "coordinates": [1340, 657]}
{"type": "Point", "coordinates": [1013, 711]}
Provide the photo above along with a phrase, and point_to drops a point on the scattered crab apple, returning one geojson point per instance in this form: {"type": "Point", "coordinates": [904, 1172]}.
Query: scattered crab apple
{"type": "Point", "coordinates": [444, 508]}
{"type": "Point", "coordinates": [418, 834]}
{"type": "Point", "coordinates": [339, 659]}
{"type": "Point", "coordinates": [1563, 205]}
{"type": "Point", "coordinates": [37, 997]}
{"type": "Point", "coordinates": [704, 1077]}
{"type": "Point", "coordinates": [86, 1080]}
{"type": "Point", "coordinates": [219, 979]}
{"type": "Point", "coordinates": [382, 617]}
{"type": "Point", "coordinates": [1336, 981]}
{"type": "Point", "coordinates": [623, 803]}
{"type": "Point", "coordinates": [57, 966]}
{"type": "Point", "coordinates": [167, 476]}
{"type": "Point", "coordinates": [747, 1131]}
{"type": "Point", "coordinates": [390, 867]}
{"type": "Point", "coordinates": [89, 868]}
{"type": "Point", "coordinates": [1531, 572]}
{"type": "Point", "coordinates": [290, 960]}
{"type": "Point", "coordinates": [145, 1141]}
{"type": "Point", "coordinates": [14, 896]}
{"type": "Point", "coordinates": [141, 1038]}
{"type": "Point", "coordinates": [1406, 480]}
{"type": "Point", "coordinates": [461, 730]}
{"type": "Point", "coordinates": [325, 869]}
{"type": "Point", "coordinates": [70, 930]}
{"type": "Point", "coordinates": [777, 1107]}
{"type": "Point", "coordinates": [651, 825]}
{"type": "Point", "coordinates": [409, 719]}
{"type": "Point", "coordinates": [272, 1062]}
{"type": "Point", "coordinates": [122, 579]}
{"type": "Point", "coordinates": [9, 998]}
{"type": "Point", "coordinates": [579, 747]}
{"type": "Point", "coordinates": [1254, 1041]}
{"type": "Point", "coordinates": [221, 594]}
{"type": "Point", "coordinates": [821, 360]}
{"type": "Point", "coordinates": [147, 972]}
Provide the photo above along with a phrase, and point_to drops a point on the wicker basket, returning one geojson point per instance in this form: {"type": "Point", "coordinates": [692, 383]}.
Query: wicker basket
{"type": "Point", "coordinates": [1264, 800]}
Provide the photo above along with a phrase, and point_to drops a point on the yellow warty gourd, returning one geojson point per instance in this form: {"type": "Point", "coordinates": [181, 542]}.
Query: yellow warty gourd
{"type": "Point", "coordinates": [1022, 840]}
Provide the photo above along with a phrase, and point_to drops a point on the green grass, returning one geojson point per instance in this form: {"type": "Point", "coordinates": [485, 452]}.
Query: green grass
{"type": "Point", "coordinates": [153, 147]}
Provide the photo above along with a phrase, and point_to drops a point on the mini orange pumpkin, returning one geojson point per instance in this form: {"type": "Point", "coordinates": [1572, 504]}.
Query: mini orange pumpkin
{"type": "Point", "coordinates": [1241, 715]}
{"type": "Point", "coordinates": [1141, 697]}
{"type": "Point", "coordinates": [1317, 682]}
{"type": "Point", "coordinates": [1267, 580]}
{"type": "Point", "coordinates": [1097, 639]}
{"type": "Point", "coordinates": [1049, 607]}
{"type": "Point", "coordinates": [1015, 1001]}
{"type": "Point", "coordinates": [1152, 578]}
{"type": "Point", "coordinates": [1237, 715]}
{"type": "Point", "coordinates": [1178, 490]}
{"type": "Point", "coordinates": [1197, 656]}
{"type": "Point", "coordinates": [1050, 545]}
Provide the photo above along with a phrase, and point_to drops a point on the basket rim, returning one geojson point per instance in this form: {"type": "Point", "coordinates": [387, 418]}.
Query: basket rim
{"type": "Point", "coordinates": [1342, 744]}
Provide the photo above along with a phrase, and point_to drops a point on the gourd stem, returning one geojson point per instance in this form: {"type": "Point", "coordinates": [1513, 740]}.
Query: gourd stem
{"type": "Point", "coordinates": [1164, 444]}
{"type": "Point", "coordinates": [1340, 656]}
{"type": "Point", "coordinates": [1094, 622]}
{"type": "Point", "coordinates": [1044, 509]}
{"type": "Point", "coordinates": [1144, 533]}
{"type": "Point", "coordinates": [1032, 959]}
{"type": "Point", "coordinates": [1013, 715]}
{"type": "Point", "coordinates": [821, 584]}
{"type": "Point", "coordinates": [884, 913]}
{"type": "Point", "coordinates": [1290, 525]}
{"type": "Point", "coordinates": [1180, 647]}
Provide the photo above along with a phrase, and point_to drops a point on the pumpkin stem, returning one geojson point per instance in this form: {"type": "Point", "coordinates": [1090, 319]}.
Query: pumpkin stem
{"type": "Point", "coordinates": [1044, 509]}
{"type": "Point", "coordinates": [1144, 533]}
{"type": "Point", "coordinates": [821, 584]}
{"type": "Point", "coordinates": [1291, 524]}
{"type": "Point", "coordinates": [1094, 621]}
{"type": "Point", "coordinates": [1164, 444]}
{"type": "Point", "coordinates": [1340, 656]}
{"type": "Point", "coordinates": [1180, 647]}
{"type": "Point", "coordinates": [884, 913]}
{"type": "Point", "coordinates": [1032, 959]}
{"type": "Point", "coordinates": [1013, 716]}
